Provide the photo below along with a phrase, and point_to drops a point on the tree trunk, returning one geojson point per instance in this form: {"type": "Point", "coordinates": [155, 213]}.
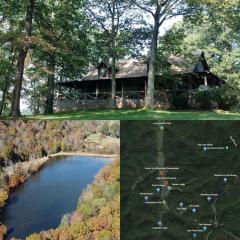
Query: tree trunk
{"type": "Point", "coordinates": [150, 101]}
{"type": "Point", "coordinates": [113, 53]}
{"type": "Point", "coordinates": [6, 87]}
{"type": "Point", "coordinates": [3, 98]}
{"type": "Point", "coordinates": [113, 83]}
{"type": "Point", "coordinates": [50, 86]}
{"type": "Point", "coordinates": [15, 109]}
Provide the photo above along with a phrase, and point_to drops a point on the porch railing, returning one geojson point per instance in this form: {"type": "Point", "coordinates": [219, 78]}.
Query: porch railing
{"type": "Point", "coordinates": [159, 95]}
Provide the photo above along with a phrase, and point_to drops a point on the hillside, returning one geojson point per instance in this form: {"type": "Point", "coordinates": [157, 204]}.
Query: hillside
{"type": "Point", "coordinates": [26, 140]}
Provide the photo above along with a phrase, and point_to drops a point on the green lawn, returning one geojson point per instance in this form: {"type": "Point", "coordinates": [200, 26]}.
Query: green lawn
{"type": "Point", "coordinates": [139, 114]}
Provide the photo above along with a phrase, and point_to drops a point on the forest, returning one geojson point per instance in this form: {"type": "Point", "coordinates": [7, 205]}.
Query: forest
{"type": "Point", "coordinates": [22, 141]}
{"type": "Point", "coordinates": [43, 42]}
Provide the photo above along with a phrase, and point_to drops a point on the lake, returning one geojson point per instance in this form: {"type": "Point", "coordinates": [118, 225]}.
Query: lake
{"type": "Point", "coordinates": [40, 203]}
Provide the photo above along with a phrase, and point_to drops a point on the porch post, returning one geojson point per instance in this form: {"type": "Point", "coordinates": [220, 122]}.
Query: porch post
{"type": "Point", "coordinates": [205, 80]}
{"type": "Point", "coordinates": [122, 88]}
{"type": "Point", "coordinates": [145, 88]}
{"type": "Point", "coordinates": [97, 91]}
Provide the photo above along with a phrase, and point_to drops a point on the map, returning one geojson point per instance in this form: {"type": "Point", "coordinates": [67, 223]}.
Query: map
{"type": "Point", "coordinates": [180, 180]}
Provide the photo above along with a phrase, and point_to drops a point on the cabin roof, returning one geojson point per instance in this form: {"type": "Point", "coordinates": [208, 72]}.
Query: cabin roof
{"type": "Point", "coordinates": [125, 69]}
{"type": "Point", "coordinates": [196, 63]}
{"type": "Point", "coordinates": [136, 69]}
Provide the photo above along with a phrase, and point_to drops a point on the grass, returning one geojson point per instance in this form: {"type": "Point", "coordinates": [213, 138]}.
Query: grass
{"type": "Point", "coordinates": [138, 114]}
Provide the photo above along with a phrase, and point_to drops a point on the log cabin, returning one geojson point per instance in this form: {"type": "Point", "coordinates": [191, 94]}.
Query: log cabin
{"type": "Point", "coordinates": [94, 90]}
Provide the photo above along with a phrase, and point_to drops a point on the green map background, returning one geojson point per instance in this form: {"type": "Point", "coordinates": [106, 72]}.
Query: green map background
{"type": "Point", "coordinates": [139, 145]}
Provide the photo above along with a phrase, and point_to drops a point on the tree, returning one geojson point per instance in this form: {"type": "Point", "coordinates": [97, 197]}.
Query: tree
{"type": "Point", "coordinates": [8, 57]}
{"type": "Point", "coordinates": [61, 44]}
{"type": "Point", "coordinates": [221, 45]}
{"type": "Point", "coordinates": [160, 11]}
{"type": "Point", "coordinates": [114, 19]}
{"type": "Point", "coordinates": [15, 111]}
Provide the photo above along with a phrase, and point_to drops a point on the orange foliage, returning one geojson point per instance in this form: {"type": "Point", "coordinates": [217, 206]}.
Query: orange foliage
{"type": "Point", "coordinates": [3, 231]}
{"type": "Point", "coordinates": [13, 181]}
{"type": "Point", "coordinates": [101, 223]}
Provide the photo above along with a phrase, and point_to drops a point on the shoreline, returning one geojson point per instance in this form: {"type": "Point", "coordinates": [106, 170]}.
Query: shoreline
{"type": "Point", "coordinates": [9, 171]}
{"type": "Point", "coordinates": [84, 154]}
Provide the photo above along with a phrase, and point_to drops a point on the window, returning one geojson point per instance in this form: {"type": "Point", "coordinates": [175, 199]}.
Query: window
{"type": "Point", "coordinates": [102, 72]}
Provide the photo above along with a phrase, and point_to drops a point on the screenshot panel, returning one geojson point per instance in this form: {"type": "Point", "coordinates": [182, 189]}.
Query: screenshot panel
{"type": "Point", "coordinates": [180, 180]}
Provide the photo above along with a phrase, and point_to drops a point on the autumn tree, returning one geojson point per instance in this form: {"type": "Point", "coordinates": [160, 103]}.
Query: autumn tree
{"type": "Point", "coordinates": [3, 231]}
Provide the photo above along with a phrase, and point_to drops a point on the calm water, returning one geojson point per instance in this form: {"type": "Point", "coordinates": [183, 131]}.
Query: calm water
{"type": "Point", "coordinates": [40, 203]}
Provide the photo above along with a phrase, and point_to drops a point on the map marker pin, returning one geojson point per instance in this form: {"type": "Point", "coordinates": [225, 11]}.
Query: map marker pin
{"type": "Point", "coordinates": [209, 199]}
{"type": "Point", "coordinates": [181, 204]}
{"type": "Point", "coordinates": [194, 235]}
{"type": "Point", "coordinates": [205, 149]}
{"type": "Point", "coordinates": [158, 190]}
{"type": "Point", "coordinates": [225, 180]}
{"type": "Point", "coordinates": [159, 223]}
{"type": "Point", "coordinates": [204, 228]}
{"type": "Point", "coordinates": [194, 210]}
{"type": "Point", "coordinates": [146, 198]}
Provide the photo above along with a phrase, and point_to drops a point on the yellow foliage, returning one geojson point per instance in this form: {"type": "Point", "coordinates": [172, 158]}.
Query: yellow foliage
{"type": "Point", "coordinates": [34, 236]}
{"type": "Point", "coordinates": [77, 230]}
{"type": "Point", "coordinates": [104, 235]}
{"type": "Point", "coordinates": [3, 197]}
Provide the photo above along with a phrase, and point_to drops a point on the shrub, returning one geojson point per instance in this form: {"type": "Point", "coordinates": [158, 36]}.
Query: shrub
{"type": "Point", "coordinates": [204, 99]}
{"type": "Point", "coordinates": [225, 98]}
{"type": "Point", "coordinates": [180, 102]}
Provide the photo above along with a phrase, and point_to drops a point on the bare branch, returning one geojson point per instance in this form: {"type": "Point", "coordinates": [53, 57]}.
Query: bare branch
{"type": "Point", "coordinates": [162, 21]}
{"type": "Point", "coordinates": [169, 7]}
{"type": "Point", "coordinates": [109, 7]}
{"type": "Point", "coordinates": [143, 8]}
{"type": "Point", "coordinates": [163, 3]}
{"type": "Point", "coordinates": [97, 19]}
